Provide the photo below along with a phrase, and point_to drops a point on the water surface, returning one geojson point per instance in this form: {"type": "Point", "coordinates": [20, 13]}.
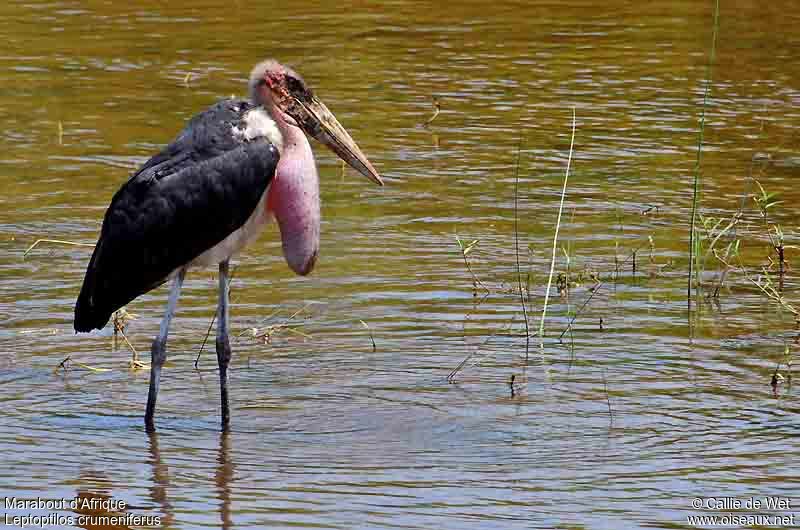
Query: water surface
{"type": "Point", "coordinates": [329, 431]}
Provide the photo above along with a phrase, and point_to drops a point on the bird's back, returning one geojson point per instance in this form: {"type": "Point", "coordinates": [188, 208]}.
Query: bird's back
{"type": "Point", "coordinates": [181, 202]}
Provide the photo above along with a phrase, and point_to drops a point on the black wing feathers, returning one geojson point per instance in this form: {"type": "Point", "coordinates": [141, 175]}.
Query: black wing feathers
{"type": "Point", "coordinates": [182, 202]}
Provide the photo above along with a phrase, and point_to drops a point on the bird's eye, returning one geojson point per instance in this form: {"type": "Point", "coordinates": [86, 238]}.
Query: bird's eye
{"type": "Point", "coordinates": [294, 85]}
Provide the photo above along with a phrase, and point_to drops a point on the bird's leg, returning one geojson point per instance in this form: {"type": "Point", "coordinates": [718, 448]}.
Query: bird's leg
{"type": "Point", "coordinates": [223, 344]}
{"type": "Point", "coordinates": [159, 350]}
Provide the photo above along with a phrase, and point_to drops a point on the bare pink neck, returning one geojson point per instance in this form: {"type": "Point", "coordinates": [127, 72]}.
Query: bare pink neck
{"type": "Point", "coordinates": [294, 197]}
{"type": "Point", "coordinates": [293, 137]}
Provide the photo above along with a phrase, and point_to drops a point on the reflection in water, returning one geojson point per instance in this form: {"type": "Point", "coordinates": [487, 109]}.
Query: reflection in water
{"type": "Point", "coordinates": [159, 490]}
{"type": "Point", "coordinates": [95, 499]}
{"type": "Point", "coordinates": [223, 477]}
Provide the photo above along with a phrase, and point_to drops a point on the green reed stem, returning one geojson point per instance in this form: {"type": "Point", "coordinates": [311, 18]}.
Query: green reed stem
{"type": "Point", "coordinates": [694, 254]}
{"type": "Point", "coordinates": [516, 252]}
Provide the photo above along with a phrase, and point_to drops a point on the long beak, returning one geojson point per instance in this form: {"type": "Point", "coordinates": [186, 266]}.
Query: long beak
{"type": "Point", "coordinates": [320, 123]}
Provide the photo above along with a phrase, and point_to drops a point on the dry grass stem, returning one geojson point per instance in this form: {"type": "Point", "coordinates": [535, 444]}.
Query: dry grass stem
{"type": "Point", "coordinates": [437, 107]}
{"type": "Point", "coordinates": [374, 347]}
{"type": "Point", "coordinates": [463, 364]}
{"type": "Point", "coordinates": [555, 235]}
{"type": "Point", "coordinates": [54, 241]}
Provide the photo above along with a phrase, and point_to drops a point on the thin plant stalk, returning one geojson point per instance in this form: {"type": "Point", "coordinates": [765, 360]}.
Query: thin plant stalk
{"type": "Point", "coordinates": [693, 255]}
{"type": "Point", "coordinates": [55, 241]}
{"type": "Point", "coordinates": [371, 337]}
{"type": "Point", "coordinates": [608, 400]}
{"type": "Point", "coordinates": [555, 235]}
{"type": "Point", "coordinates": [516, 251]}
{"type": "Point", "coordinates": [596, 290]}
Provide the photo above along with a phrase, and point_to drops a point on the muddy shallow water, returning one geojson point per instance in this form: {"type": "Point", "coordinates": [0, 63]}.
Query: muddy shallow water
{"type": "Point", "coordinates": [621, 425]}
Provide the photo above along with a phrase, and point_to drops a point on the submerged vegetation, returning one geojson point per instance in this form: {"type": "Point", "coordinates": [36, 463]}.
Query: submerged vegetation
{"type": "Point", "coordinates": [744, 248]}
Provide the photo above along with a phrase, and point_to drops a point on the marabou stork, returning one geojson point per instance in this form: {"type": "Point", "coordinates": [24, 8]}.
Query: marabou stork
{"type": "Point", "coordinates": [210, 193]}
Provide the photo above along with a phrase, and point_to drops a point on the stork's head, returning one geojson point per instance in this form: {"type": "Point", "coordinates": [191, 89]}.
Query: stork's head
{"type": "Point", "coordinates": [281, 89]}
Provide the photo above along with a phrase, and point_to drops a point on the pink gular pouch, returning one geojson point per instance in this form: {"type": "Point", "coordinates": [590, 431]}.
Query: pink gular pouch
{"type": "Point", "coordinates": [294, 201]}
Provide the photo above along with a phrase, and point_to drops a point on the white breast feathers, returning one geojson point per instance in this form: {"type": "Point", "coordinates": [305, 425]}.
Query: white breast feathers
{"type": "Point", "coordinates": [259, 124]}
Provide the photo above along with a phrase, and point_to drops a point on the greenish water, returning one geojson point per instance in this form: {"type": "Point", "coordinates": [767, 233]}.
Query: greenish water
{"type": "Point", "coordinates": [329, 432]}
